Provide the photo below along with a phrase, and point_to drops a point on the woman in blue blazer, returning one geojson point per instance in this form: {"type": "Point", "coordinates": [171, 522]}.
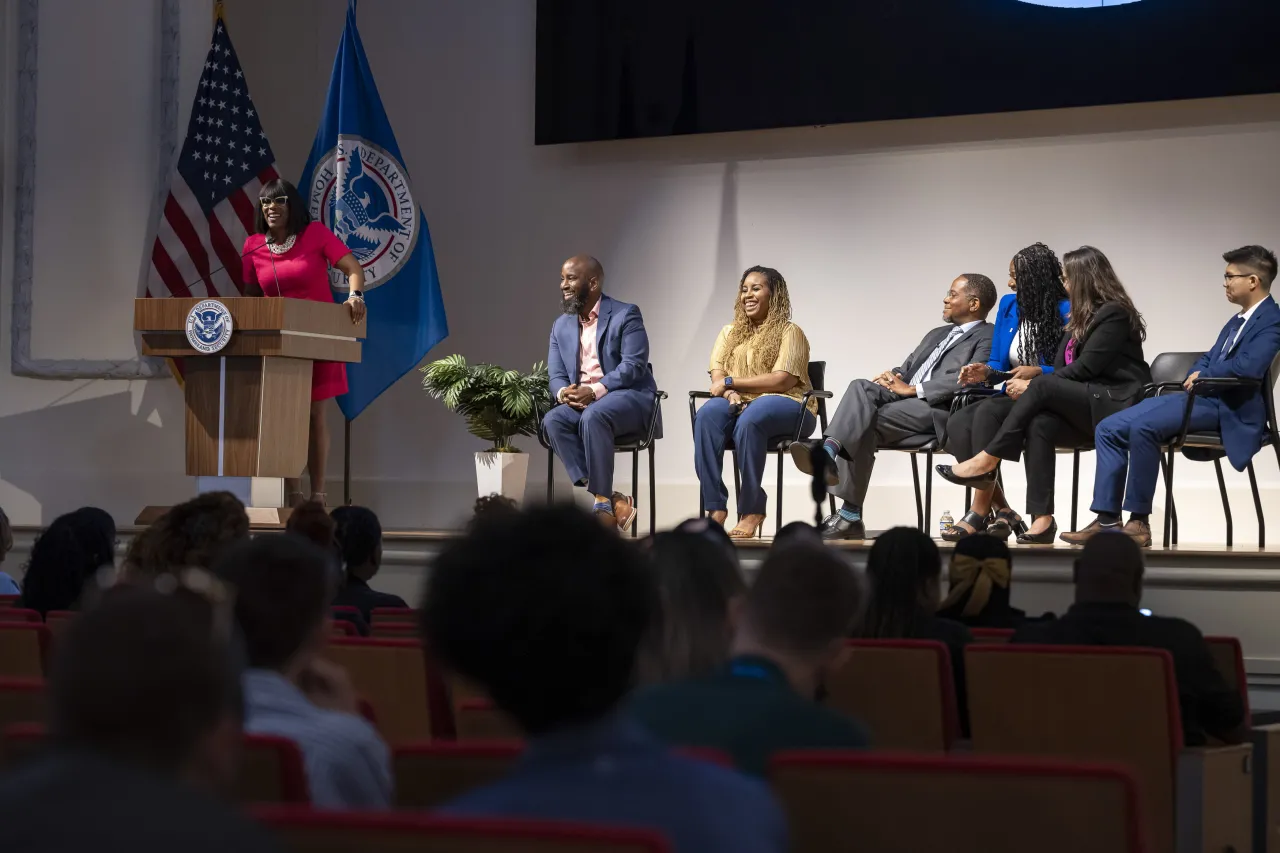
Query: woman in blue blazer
{"type": "Point", "coordinates": [1028, 330]}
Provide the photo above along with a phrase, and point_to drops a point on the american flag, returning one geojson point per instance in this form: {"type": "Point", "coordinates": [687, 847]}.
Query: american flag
{"type": "Point", "coordinates": [214, 188]}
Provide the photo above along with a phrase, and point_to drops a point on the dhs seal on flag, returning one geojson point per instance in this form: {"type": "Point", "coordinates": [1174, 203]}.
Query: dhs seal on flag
{"type": "Point", "coordinates": [209, 326]}
{"type": "Point", "coordinates": [361, 193]}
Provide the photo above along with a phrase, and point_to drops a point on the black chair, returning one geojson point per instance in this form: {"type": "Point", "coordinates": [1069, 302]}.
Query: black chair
{"type": "Point", "coordinates": [969, 396]}
{"type": "Point", "coordinates": [780, 445]}
{"type": "Point", "coordinates": [632, 444]}
{"type": "Point", "coordinates": [1168, 371]}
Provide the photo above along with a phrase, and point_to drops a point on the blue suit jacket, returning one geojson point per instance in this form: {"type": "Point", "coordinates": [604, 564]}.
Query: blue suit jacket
{"type": "Point", "coordinates": [1006, 323]}
{"type": "Point", "coordinates": [1243, 413]}
{"type": "Point", "coordinates": [613, 772]}
{"type": "Point", "coordinates": [621, 343]}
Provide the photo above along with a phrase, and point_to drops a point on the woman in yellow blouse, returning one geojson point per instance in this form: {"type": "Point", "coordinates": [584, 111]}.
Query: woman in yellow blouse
{"type": "Point", "coordinates": [759, 374]}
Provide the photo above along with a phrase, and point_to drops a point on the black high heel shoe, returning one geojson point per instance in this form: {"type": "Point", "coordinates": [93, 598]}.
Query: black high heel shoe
{"type": "Point", "coordinates": [1007, 523]}
{"type": "Point", "coordinates": [1046, 538]}
{"type": "Point", "coordinates": [981, 481]}
{"type": "Point", "coordinates": [956, 532]}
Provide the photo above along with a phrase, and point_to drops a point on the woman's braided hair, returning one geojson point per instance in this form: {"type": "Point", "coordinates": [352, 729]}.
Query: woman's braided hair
{"type": "Point", "coordinates": [1039, 277]}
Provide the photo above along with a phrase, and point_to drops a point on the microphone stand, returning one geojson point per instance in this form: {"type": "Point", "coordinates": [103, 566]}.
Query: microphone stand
{"type": "Point", "coordinates": [819, 460]}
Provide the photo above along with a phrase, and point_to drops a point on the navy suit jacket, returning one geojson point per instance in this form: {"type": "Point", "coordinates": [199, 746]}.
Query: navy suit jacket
{"type": "Point", "coordinates": [621, 344]}
{"type": "Point", "coordinates": [1243, 413]}
{"type": "Point", "coordinates": [1006, 323]}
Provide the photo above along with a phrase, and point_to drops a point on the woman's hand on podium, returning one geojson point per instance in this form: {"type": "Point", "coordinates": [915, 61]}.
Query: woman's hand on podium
{"type": "Point", "coordinates": [355, 306]}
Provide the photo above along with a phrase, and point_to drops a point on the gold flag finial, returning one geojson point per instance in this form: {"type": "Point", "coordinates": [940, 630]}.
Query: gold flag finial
{"type": "Point", "coordinates": [217, 10]}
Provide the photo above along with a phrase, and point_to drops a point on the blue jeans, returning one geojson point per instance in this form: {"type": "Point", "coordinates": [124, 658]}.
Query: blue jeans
{"type": "Point", "coordinates": [764, 421]}
{"type": "Point", "coordinates": [1128, 449]}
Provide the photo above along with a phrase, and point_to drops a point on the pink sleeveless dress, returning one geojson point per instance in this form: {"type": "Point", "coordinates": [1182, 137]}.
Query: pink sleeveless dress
{"type": "Point", "coordinates": [301, 273]}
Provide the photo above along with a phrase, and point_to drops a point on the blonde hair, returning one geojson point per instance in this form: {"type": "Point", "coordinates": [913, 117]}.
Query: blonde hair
{"type": "Point", "coordinates": [766, 339]}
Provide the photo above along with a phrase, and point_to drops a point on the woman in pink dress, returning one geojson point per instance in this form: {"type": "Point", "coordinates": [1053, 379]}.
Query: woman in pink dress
{"type": "Point", "coordinates": [290, 256]}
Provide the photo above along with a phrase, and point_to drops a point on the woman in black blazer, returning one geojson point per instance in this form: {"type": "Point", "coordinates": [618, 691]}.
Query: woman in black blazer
{"type": "Point", "coordinates": [1099, 370]}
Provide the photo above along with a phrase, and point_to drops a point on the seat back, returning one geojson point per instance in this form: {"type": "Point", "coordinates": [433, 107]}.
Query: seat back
{"type": "Point", "coordinates": [24, 649]}
{"type": "Point", "coordinates": [1269, 396]}
{"type": "Point", "coordinates": [22, 700]}
{"type": "Point", "coordinates": [9, 600]}
{"type": "Point", "coordinates": [19, 614]}
{"type": "Point", "coordinates": [305, 831]}
{"type": "Point", "coordinates": [58, 620]}
{"type": "Point", "coordinates": [1107, 704]}
{"type": "Point", "coordinates": [431, 774]}
{"type": "Point", "coordinates": [392, 676]}
{"type": "Point", "coordinates": [1172, 366]}
{"type": "Point", "coordinates": [904, 690]}
{"type": "Point", "coordinates": [22, 740]}
{"type": "Point", "coordinates": [991, 635]}
{"type": "Point", "coordinates": [271, 771]}
{"type": "Point", "coordinates": [394, 630]}
{"type": "Point", "coordinates": [478, 720]}
{"type": "Point", "coordinates": [818, 378]}
{"type": "Point", "coordinates": [1228, 657]}
{"type": "Point", "coordinates": [396, 615]}
{"type": "Point", "coordinates": [884, 803]}
{"type": "Point", "coordinates": [343, 628]}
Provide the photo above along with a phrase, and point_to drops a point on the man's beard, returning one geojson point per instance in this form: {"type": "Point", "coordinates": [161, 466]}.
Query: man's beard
{"type": "Point", "coordinates": [574, 304]}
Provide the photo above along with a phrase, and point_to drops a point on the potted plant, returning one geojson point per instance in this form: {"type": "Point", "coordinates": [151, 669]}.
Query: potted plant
{"type": "Point", "coordinates": [497, 405]}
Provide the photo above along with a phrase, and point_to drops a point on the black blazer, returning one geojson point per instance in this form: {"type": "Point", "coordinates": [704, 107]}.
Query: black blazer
{"type": "Point", "coordinates": [1108, 360]}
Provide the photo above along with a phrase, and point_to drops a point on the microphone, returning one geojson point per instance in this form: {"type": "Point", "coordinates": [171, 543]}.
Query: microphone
{"type": "Point", "coordinates": [270, 241]}
{"type": "Point", "coordinates": [221, 267]}
{"type": "Point", "coordinates": [819, 460]}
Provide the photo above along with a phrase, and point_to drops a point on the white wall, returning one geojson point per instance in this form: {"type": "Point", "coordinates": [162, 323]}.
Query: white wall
{"type": "Point", "coordinates": [869, 224]}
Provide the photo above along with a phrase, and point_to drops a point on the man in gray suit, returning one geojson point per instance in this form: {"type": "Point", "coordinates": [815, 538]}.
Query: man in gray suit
{"type": "Point", "coordinates": [899, 403]}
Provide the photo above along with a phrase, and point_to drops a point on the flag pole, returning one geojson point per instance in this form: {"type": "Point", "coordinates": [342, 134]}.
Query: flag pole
{"type": "Point", "coordinates": [346, 462]}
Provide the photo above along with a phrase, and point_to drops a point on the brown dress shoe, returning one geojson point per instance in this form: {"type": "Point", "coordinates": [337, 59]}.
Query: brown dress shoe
{"type": "Point", "coordinates": [1079, 537]}
{"type": "Point", "coordinates": [1140, 532]}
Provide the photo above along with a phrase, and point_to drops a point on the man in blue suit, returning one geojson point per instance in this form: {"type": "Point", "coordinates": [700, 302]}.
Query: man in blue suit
{"type": "Point", "coordinates": [1132, 438]}
{"type": "Point", "coordinates": [599, 367]}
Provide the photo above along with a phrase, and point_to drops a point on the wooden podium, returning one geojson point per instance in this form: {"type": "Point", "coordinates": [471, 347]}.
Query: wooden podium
{"type": "Point", "coordinates": [249, 403]}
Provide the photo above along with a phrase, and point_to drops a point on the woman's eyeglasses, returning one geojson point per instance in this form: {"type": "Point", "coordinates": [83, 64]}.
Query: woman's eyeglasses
{"type": "Point", "coordinates": [278, 201]}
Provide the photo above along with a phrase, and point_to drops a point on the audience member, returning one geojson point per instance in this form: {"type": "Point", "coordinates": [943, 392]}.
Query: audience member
{"type": "Point", "coordinates": [312, 521]}
{"type": "Point", "coordinates": [283, 591]}
{"type": "Point", "coordinates": [545, 611]}
{"type": "Point", "coordinates": [69, 552]}
{"type": "Point", "coordinates": [797, 531]}
{"type": "Point", "coordinates": [7, 584]}
{"type": "Point", "coordinates": [715, 532]}
{"type": "Point", "coordinates": [190, 535]}
{"type": "Point", "coordinates": [495, 502]}
{"type": "Point", "coordinates": [1108, 580]}
{"type": "Point", "coordinates": [146, 726]}
{"type": "Point", "coordinates": [359, 537]}
{"type": "Point", "coordinates": [699, 591]}
{"type": "Point", "coordinates": [904, 570]}
{"type": "Point", "coordinates": [794, 623]}
{"type": "Point", "coordinates": [978, 580]}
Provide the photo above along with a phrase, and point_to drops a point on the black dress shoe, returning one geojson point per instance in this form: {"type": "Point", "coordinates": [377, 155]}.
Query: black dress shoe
{"type": "Point", "coordinates": [1045, 538]}
{"type": "Point", "coordinates": [979, 482]}
{"type": "Point", "coordinates": [842, 528]}
{"type": "Point", "coordinates": [803, 454]}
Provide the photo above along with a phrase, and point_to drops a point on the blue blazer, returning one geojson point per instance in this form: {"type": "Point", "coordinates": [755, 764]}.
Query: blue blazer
{"type": "Point", "coordinates": [1242, 416]}
{"type": "Point", "coordinates": [621, 343]}
{"type": "Point", "coordinates": [1006, 324]}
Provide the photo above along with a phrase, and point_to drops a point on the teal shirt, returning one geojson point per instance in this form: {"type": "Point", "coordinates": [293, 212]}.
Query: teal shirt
{"type": "Point", "coordinates": [747, 710]}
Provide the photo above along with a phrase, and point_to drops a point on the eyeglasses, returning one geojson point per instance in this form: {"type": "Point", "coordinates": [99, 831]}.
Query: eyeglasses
{"type": "Point", "coordinates": [278, 201]}
{"type": "Point", "coordinates": [1230, 275]}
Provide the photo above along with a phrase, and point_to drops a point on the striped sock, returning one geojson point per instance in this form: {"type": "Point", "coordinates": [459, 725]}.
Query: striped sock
{"type": "Point", "coordinates": [832, 447]}
{"type": "Point", "coordinates": [851, 512]}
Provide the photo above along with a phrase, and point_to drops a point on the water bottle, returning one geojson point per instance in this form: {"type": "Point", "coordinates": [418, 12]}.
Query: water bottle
{"type": "Point", "coordinates": [946, 522]}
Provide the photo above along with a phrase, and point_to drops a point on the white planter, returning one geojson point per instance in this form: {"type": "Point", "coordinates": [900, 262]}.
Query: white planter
{"type": "Point", "coordinates": [502, 473]}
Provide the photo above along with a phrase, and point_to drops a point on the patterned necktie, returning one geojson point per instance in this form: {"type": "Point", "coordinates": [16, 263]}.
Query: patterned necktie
{"type": "Point", "coordinates": [927, 368]}
{"type": "Point", "coordinates": [1233, 328]}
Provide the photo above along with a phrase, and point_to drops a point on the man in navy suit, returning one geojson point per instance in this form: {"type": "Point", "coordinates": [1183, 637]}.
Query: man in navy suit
{"type": "Point", "coordinates": [599, 367]}
{"type": "Point", "coordinates": [1132, 438]}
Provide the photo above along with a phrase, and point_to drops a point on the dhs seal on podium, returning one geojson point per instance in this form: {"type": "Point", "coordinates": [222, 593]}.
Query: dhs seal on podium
{"type": "Point", "coordinates": [209, 326]}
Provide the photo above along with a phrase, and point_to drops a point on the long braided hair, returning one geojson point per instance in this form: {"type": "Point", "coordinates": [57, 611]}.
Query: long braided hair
{"type": "Point", "coordinates": [1039, 277]}
{"type": "Point", "coordinates": [767, 337]}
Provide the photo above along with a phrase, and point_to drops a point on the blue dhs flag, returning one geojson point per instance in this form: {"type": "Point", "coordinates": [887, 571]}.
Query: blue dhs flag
{"type": "Point", "coordinates": [355, 182]}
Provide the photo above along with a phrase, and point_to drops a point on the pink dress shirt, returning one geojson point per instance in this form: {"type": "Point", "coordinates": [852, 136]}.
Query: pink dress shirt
{"type": "Point", "coordinates": [590, 372]}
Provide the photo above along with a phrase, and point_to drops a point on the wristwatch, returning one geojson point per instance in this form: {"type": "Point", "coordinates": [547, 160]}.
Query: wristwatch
{"type": "Point", "coordinates": [728, 382]}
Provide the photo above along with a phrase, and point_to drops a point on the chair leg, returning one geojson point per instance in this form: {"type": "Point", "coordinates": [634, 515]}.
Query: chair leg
{"type": "Point", "coordinates": [928, 492]}
{"type": "Point", "coordinates": [551, 476]}
{"type": "Point", "coordinates": [1226, 504]}
{"type": "Point", "coordinates": [1168, 498]}
{"type": "Point", "coordinates": [737, 482]}
{"type": "Point", "coordinates": [1257, 507]}
{"type": "Point", "coordinates": [968, 497]}
{"type": "Point", "coordinates": [777, 520]}
{"type": "Point", "coordinates": [653, 496]}
{"type": "Point", "coordinates": [1075, 487]}
{"type": "Point", "coordinates": [635, 488]}
{"type": "Point", "coordinates": [915, 481]}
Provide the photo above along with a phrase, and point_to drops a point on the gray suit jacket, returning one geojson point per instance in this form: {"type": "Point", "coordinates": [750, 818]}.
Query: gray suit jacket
{"type": "Point", "coordinates": [974, 346]}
